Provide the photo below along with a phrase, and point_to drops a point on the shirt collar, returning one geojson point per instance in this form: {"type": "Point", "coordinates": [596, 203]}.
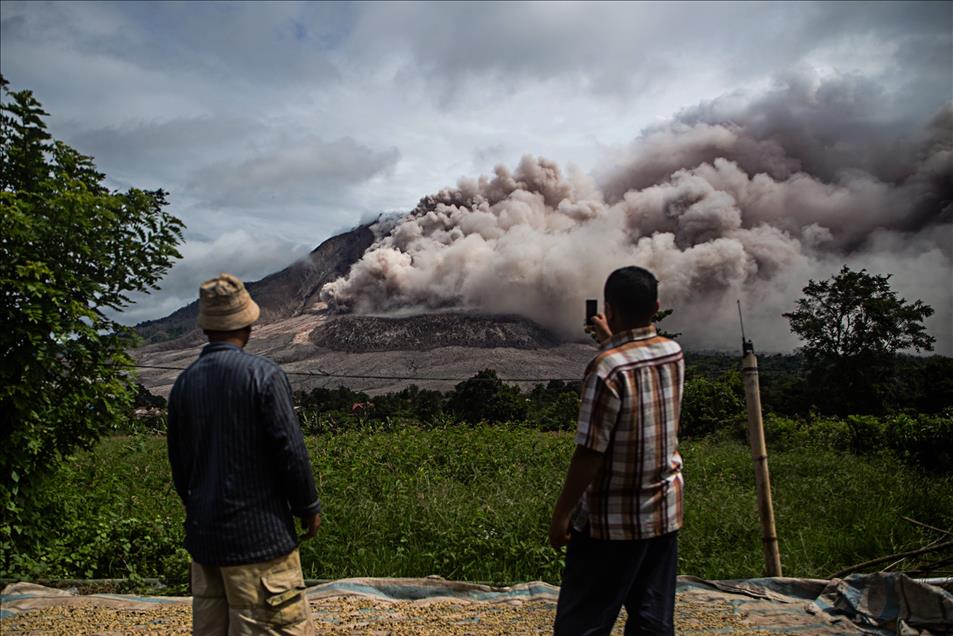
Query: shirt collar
{"type": "Point", "coordinates": [639, 333]}
{"type": "Point", "coordinates": [212, 347]}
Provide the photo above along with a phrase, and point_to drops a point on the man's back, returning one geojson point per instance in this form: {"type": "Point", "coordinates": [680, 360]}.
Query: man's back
{"type": "Point", "coordinates": [620, 507]}
{"type": "Point", "coordinates": [237, 456]}
{"type": "Point", "coordinates": [630, 411]}
{"type": "Point", "coordinates": [241, 469]}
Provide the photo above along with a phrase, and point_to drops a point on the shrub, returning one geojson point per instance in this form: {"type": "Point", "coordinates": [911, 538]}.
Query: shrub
{"type": "Point", "coordinates": [555, 405]}
{"type": "Point", "coordinates": [828, 433]}
{"type": "Point", "coordinates": [340, 400]}
{"type": "Point", "coordinates": [866, 433]}
{"type": "Point", "coordinates": [712, 404]}
{"type": "Point", "coordinates": [926, 440]}
{"type": "Point", "coordinates": [561, 414]}
{"type": "Point", "coordinates": [782, 433]}
{"type": "Point", "coordinates": [486, 398]}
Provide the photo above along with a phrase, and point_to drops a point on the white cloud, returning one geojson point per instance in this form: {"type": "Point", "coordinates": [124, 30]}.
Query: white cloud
{"type": "Point", "coordinates": [304, 170]}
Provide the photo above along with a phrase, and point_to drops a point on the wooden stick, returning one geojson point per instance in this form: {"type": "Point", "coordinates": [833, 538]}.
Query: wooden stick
{"type": "Point", "coordinates": [929, 527]}
{"type": "Point", "coordinates": [936, 565]}
{"type": "Point", "coordinates": [936, 548]}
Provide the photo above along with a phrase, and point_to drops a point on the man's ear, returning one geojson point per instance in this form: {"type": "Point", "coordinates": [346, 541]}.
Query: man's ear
{"type": "Point", "coordinates": [657, 307]}
{"type": "Point", "coordinates": [610, 314]}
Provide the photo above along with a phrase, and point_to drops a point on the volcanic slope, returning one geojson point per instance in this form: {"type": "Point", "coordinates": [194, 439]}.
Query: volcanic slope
{"type": "Point", "coordinates": [284, 294]}
{"type": "Point", "coordinates": [376, 354]}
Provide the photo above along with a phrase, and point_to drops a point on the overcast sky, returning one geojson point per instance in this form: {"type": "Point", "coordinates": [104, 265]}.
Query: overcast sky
{"type": "Point", "coordinates": [274, 126]}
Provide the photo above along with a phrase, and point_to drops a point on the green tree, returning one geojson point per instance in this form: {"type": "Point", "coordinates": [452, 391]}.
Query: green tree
{"type": "Point", "coordinates": [70, 253]}
{"type": "Point", "coordinates": [657, 319]}
{"type": "Point", "coordinates": [555, 405]}
{"type": "Point", "coordinates": [486, 398]}
{"type": "Point", "coordinates": [852, 326]}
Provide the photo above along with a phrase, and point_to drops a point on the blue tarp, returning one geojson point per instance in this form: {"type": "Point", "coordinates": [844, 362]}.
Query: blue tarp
{"type": "Point", "coordinates": [882, 604]}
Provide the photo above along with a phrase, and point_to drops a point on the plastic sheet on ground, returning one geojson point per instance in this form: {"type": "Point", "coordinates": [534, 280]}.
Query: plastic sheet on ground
{"type": "Point", "coordinates": [860, 604]}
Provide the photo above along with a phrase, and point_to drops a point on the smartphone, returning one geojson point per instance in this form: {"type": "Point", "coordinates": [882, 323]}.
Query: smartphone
{"type": "Point", "coordinates": [592, 308]}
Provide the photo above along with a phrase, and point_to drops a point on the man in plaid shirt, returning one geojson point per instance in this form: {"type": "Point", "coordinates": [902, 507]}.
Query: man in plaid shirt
{"type": "Point", "coordinates": [621, 505]}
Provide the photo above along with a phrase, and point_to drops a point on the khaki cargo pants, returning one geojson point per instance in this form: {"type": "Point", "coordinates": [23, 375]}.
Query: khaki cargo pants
{"type": "Point", "coordinates": [248, 600]}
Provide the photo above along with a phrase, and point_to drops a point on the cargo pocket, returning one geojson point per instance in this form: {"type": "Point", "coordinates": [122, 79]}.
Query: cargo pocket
{"type": "Point", "coordinates": [284, 598]}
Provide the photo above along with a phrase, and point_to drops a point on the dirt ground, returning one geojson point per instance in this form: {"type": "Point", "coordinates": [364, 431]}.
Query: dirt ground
{"type": "Point", "coordinates": [368, 617]}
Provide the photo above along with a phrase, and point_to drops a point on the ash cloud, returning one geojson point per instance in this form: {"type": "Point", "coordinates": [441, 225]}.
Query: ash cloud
{"type": "Point", "coordinates": [740, 197]}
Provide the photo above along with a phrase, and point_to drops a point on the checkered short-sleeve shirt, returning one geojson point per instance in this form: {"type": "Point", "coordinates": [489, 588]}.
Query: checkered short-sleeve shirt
{"type": "Point", "coordinates": [631, 397]}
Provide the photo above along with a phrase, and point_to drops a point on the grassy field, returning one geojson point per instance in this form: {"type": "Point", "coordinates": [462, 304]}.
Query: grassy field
{"type": "Point", "coordinates": [473, 503]}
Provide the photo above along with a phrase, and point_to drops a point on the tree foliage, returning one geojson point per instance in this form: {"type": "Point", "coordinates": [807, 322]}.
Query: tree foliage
{"type": "Point", "coordinates": [852, 325]}
{"type": "Point", "coordinates": [555, 405]}
{"type": "Point", "coordinates": [70, 253]}
{"type": "Point", "coordinates": [486, 398]}
{"type": "Point", "coordinates": [657, 319]}
{"type": "Point", "coordinates": [710, 404]}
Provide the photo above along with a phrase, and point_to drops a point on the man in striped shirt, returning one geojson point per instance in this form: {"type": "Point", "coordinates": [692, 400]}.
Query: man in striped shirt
{"type": "Point", "coordinates": [241, 468]}
{"type": "Point", "coordinates": [621, 504]}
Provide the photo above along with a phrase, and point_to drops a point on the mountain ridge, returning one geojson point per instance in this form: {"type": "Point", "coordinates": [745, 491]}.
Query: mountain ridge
{"type": "Point", "coordinates": [283, 294]}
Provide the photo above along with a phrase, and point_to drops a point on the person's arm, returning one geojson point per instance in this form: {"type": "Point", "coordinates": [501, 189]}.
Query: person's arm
{"type": "Point", "coordinates": [179, 458]}
{"type": "Point", "coordinates": [583, 468]}
{"type": "Point", "coordinates": [598, 413]}
{"type": "Point", "coordinates": [291, 454]}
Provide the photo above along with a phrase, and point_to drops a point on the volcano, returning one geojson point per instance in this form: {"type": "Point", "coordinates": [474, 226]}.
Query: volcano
{"type": "Point", "coordinates": [372, 353]}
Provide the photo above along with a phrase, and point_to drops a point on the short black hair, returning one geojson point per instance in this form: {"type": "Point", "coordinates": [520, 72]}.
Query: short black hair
{"type": "Point", "coordinates": [633, 293]}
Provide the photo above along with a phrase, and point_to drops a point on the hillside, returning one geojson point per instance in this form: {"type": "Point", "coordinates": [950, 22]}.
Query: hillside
{"type": "Point", "coordinates": [284, 294]}
{"type": "Point", "coordinates": [378, 355]}
{"type": "Point", "coordinates": [361, 334]}
{"type": "Point", "coordinates": [318, 348]}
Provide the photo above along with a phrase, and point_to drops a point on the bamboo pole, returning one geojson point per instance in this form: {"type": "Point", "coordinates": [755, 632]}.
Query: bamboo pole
{"type": "Point", "coordinates": [759, 454]}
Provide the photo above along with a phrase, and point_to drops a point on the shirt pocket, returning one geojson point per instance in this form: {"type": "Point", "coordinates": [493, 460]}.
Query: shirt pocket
{"type": "Point", "coordinates": [284, 599]}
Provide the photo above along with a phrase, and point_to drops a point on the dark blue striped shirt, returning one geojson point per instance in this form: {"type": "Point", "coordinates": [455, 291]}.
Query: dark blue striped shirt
{"type": "Point", "coordinates": [238, 458]}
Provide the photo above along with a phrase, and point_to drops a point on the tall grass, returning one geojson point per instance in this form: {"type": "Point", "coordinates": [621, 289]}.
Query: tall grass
{"type": "Point", "coordinates": [473, 503]}
{"type": "Point", "coordinates": [464, 503]}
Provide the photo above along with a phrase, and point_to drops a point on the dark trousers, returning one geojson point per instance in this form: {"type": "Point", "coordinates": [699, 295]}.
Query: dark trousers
{"type": "Point", "coordinates": [602, 576]}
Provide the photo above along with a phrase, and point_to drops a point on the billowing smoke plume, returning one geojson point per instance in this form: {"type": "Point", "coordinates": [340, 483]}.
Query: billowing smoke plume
{"type": "Point", "coordinates": [736, 198]}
